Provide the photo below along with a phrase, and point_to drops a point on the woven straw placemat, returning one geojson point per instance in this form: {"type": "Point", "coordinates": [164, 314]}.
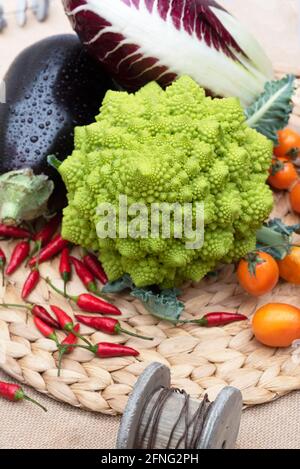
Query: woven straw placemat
{"type": "Point", "coordinates": [202, 360]}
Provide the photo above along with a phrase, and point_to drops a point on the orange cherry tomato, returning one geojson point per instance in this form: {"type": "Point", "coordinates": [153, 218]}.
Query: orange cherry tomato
{"type": "Point", "coordinates": [295, 197]}
{"type": "Point", "coordinates": [276, 324]}
{"type": "Point", "coordinates": [258, 273]}
{"type": "Point", "coordinates": [289, 143]}
{"type": "Point", "coordinates": [282, 173]}
{"type": "Point", "coordinates": [289, 267]}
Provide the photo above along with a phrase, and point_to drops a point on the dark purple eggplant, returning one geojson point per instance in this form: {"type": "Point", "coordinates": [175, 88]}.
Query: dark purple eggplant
{"type": "Point", "coordinates": [51, 87]}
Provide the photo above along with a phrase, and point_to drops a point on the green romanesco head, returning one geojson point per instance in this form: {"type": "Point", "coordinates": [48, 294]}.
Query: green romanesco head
{"type": "Point", "coordinates": [157, 147]}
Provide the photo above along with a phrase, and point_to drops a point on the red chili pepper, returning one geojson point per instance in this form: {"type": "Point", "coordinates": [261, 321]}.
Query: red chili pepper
{"type": "Point", "coordinates": [71, 339]}
{"type": "Point", "coordinates": [108, 325]}
{"type": "Point", "coordinates": [67, 345]}
{"type": "Point", "coordinates": [85, 275]}
{"type": "Point", "coordinates": [54, 247]}
{"type": "Point", "coordinates": [41, 313]}
{"type": "Point", "coordinates": [14, 393]}
{"type": "Point", "coordinates": [13, 232]}
{"type": "Point", "coordinates": [37, 311]}
{"type": "Point", "coordinates": [43, 236]}
{"type": "Point", "coordinates": [30, 283]}
{"type": "Point", "coordinates": [95, 267]}
{"type": "Point", "coordinates": [19, 255]}
{"type": "Point", "coordinates": [45, 329]}
{"type": "Point", "coordinates": [2, 264]}
{"type": "Point", "coordinates": [217, 319]}
{"type": "Point", "coordinates": [107, 349]}
{"type": "Point", "coordinates": [90, 303]}
{"type": "Point", "coordinates": [65, 268]}
{"type": "Point", "coordinates": [66, 322]}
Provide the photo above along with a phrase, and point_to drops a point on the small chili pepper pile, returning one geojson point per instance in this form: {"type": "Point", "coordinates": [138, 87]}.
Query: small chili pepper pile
{"type": "Point", "coordinates": [89, 270]}
{"type": "Point", "coordinates": [66, 322]}
{"type": "Point", "coordinates": [101, 350]}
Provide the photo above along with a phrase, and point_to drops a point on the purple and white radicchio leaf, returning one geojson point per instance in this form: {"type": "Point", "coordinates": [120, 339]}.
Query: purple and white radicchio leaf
{"type": "Point", "coordinates": [144, 40]}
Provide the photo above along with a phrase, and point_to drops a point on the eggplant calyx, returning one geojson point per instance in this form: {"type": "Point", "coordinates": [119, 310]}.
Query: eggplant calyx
{"type": "Point", "coordinates": [23, 195]}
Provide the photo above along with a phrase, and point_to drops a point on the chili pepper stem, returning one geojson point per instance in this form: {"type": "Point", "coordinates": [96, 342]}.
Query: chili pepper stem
{"type": "Point", "coordinates": [37, 247]}
{"type": "Point", "coordinates": [27, 398]}
{"type": "Point", "coordinates": [55, 339]}
{"type": "Point", "coordinates": [201, 322]}
{"type": "Point", "coordinates": [120, 329]}
{"type": "Point", "coordinates": [81, 337]}
{"type": "Point", "coordinates": [60, 358]}
{"type": "Point", "coordinates": [71, 297]}
{"type": "Point", "coordinates": [86, 347]}
{"type": "Point", "coordinates": [60, 292]}
{"type": "Point", "coordinates": [2, 273]}
{"type": "Point", "coordinates": [12, 305]}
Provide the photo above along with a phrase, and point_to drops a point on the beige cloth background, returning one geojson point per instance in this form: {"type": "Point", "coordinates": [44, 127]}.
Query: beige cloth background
{"type": "Point", "coordinates": [275, 425]}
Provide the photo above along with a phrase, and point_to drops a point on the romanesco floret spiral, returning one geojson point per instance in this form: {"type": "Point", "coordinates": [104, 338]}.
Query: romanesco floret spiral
{"type": "Point", "coordinates": [241, 247]}
{"type": "Point", "coordinates": [174, 146]}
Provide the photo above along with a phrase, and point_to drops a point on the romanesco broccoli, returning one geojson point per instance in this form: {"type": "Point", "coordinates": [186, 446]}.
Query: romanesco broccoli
{"type": "Point", "coordinates": [158, 146]}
